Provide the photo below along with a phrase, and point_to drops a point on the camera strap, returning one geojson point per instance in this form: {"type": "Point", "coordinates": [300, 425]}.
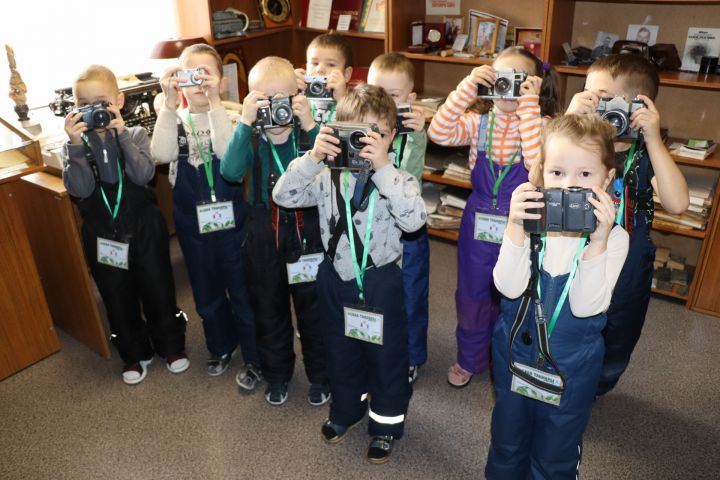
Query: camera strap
{"type": "Point", "coordinates": [620, 216]}
{"type": "Point", "coordinates": [120, 161]}
{"type": "Point", "coordinates": [206, 158]}
{"type": "Point", "coordinates": [359, 268]}
{"type": "Point", "coordinates": [488, 153]}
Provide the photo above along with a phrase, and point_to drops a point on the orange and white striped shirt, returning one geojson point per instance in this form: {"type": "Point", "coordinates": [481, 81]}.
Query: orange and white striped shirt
{"type": "Point", "coordinates": [452, 126]}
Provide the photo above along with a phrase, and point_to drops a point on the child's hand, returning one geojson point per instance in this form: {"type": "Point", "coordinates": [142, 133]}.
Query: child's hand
{"type": "Point", "coordinates": [583, 103]}
{"type": "Point", "coordinates": [484, 75]}
{"type": "Point", "coordinates": [647, 120]}
{"type": "Point", "coordinates": [301, 109]}
{"type": "Point", "coordinates": [168, 83]}
{"type": "Point", "coordinates": [250, 105]}
{"type": "Point", "coordinates": [415, 119]}
{"type": "Point", "coordinates": [116, 123]}
{"type": "Point", "coordinates": [300, 77]}
{"type": "Point", "coordinates": [326, 145]}
{"type": "Point", "coordinates": [336, 82]}
{"type": "Point", "coordinates": [210, 86]}
{"type": "Point", "coordinates": [521, 200]}
{"type": "Point", "coordinates": [376, 149]}
{"type": "Point", "coordinates": [75, 127]}
{"type": "Point", "coordinates": [531, 85]}
{"type": "Point", "coordinates": [605, 214]}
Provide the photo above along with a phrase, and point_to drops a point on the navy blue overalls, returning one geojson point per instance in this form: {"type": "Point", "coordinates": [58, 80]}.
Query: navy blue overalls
{"type": "Point", "coordinates": [213, 260]}
{"type": "Point", "coordinates": [629, 304]}
{"type": "Point", "coordinates": [531, 439]}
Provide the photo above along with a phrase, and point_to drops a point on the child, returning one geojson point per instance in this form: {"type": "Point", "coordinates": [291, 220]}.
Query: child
{"type": "Point", "coordinates": [503, 144]}
{"type": "Point", "coordinates": [360, 281]}
{"type": "Point", "coordinates": [191, 140]}
{"type": "Point", "coordinates": [631, 76]}
{"type": "Point", "coordinates": [328, 55]}
{"type": "Point", "coordinates": [278, 241]}
{"type": "Point", "coordinates": [125, 238]}
{"type": "Point", "coordinates": [396, 75]}
{"type": "Point", "coordinates": [541, 438]}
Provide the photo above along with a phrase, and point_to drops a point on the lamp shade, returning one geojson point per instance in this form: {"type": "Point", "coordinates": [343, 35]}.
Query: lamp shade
{"type": "Point", "coordinates": [172, 48]}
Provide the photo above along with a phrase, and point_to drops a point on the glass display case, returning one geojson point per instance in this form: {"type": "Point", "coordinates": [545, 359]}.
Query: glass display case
{"type": "Point", "coordinates": [19, 153]}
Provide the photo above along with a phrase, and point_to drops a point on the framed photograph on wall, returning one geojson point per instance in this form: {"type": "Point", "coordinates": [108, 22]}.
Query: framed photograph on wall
{"type": "Point", "coordinates": [530, 38]}
{"type": "Point", "coordinates": [486, 29]}
{"type": "Point", "coordinates": [453, 27]}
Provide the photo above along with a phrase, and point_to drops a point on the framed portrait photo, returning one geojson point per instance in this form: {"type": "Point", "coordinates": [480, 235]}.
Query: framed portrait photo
{"type": "Point", "coordinates": [486, 36]}
{"type": "Point", "coordinates": [453, 27]}
{"type": "Point", "coordinates": [530, 38]}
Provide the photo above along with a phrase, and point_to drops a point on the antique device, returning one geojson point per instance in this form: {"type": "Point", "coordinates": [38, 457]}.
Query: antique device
{"type": "Point", "coordinates": [350, 134]}
{"type": "Point", "coordinates": [190, 77]}
{"type": "Point", "coordinates": [506, 86]}
{"type": "Point", "coordinates": [617, 112]}
{"type": "Point", "coordinates": [96, 115]}
{"type": "Point", "coordinates": [278, 114]}
{"type": "Point", "coordinates": [316, 87]}
{"type": "Point", "coordinates": [229, 23]}
{"type": "Point", "coordinates": [565, 210]}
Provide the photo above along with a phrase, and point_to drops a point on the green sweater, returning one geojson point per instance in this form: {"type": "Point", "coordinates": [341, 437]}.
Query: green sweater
{"type": "Point", "coordinates": [413, 156]}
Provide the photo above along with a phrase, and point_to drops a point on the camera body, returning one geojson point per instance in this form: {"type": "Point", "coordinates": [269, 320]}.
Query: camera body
{"type": "Point", "coordinates": [316, 87]}
{"type": "Point", "coordinates": [506, 86]}
{"type": "Point", "coordinates": [96, 115]}
{"type": "Point", "coordinates": [190, 77]}
{"type": "Point", "coordinates": [402, 129]}
{"type": "Point", "coordinates": [349, 134]}
{"type": "Point", "coordinates": [278, 114]}
{"type": "Point", "coordinates": [565, 210]}
{"type": "Point", "coordinates": [617, 112]}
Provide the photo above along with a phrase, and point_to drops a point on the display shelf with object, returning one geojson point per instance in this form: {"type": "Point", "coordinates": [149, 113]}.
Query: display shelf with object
{"type": "Point", "coordinates": [667, 78]}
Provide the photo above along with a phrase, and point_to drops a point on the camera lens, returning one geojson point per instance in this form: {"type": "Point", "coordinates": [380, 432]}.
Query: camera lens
{"type": "Point", "coordinates": [316, 88]}
{"type": "Point", "coordinates": [282, 115]}
{"type": "Point", "coordinates": [617, 119]}
{"type": "Point", "coordinates": [502, 86]}
{"type": "Point", "coordinates": [355, 139]}
{"type": "Point", "coordinates": [101, 118]}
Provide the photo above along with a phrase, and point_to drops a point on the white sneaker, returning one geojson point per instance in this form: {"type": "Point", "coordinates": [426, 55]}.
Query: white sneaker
{"type": "Point", "coordinates": [135, 373]}
{"type": "Point", "coordinates": [177, 363]}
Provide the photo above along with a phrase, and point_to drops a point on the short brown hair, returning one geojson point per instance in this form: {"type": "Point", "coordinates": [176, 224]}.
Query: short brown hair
{"type": "Point", "coordinates": [98, 73]}
{"type": "Point", "coordinates": [588, 130]}
{"type": "Point", "coordinates": [639, 74]}
{"type": "Point", "coordinates": [395, 62]}
{"type": "Point", "coordinates": [337, 42]}
{"type": "Point", "coordinates": [365, 99]}
{"type": "Point", "coordinates": [203, 48]}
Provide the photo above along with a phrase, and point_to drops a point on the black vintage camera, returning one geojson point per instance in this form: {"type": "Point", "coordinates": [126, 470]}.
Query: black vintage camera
{"type": "Point", "coordinates": [278, 114]}
{"type": "Point", "coordinates": [350, 134]}
{"type": "Point", "coordinates": [316, 87]}
{"type": "Point", "coordinates": [402, 129]}
{"type": "Point", "coordinates": [507, 85]}
{"type": "Point", "coordinates": [564, 211]}
{"type": "Point", "coordinates": [617, 111]}
{"type": "Point", "coordinates": [190, 78]}
{"type": "Point", "coordinates": [96, 115]}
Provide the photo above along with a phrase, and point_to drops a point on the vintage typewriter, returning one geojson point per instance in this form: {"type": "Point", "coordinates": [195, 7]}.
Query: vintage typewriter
{"type": "Point", "coordinates": [138, 108]}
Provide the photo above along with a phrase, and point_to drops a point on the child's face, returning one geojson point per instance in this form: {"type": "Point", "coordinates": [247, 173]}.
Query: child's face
{"type": "Point", "coordinates": [90, 92]}
{"type": "Point", "coordinates": [397, 84]}
{"type": "Point", "coordinates": [519, 64]}
{"type": "Point", "coordinates": [195, 95]}
{"type": "Point", "coordinates": [387, 131]}
{"type": "Point", "coordinates": [602, 84]}
{"type": "Point", "coordinates": [568, 164]}
{"type": "Point", "coordinates": [323, 60]}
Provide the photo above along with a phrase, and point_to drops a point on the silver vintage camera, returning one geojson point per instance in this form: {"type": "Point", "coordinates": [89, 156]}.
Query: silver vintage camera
{"type": "Point", "coordinates": [507, 85]}
{"type": "Point", "coordinates": [402, 129]}
{"type": "Point", "coordinates": [316, 87]}
{"type": "Point", "coordinates": [96, 115]}
{"type": "Point", "coordinates": [617, 112]}
{"type": "Point", "coordinates": [190, 78]}
{"type": "Point", "coordinates": [565, 210]}
{"type": "Point", "coordinates": [350, 134]}
{"type": "Point", "coordinates": [278, 114]}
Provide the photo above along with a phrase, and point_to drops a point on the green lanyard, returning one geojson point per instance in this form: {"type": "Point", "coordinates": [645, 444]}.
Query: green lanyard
{"type": "Point", "coordinates": [359, 270]}
{"type": "Point", "coordinates": [330, 112]}
{"type": "Point", "coordinates": [566, 289]}
{"type": "Point", "coordinates": [207, 161]}
{"type": "Point", "coordinates": [498, 180]}
{"type": "Point", "coordinates": [118, 197]}
{"type": "Point", "coordinates": [275, 155]}
{"type": "Point", "coordinates": [621, 210]}
{"type": "Point", "coordinates": [397, 147]}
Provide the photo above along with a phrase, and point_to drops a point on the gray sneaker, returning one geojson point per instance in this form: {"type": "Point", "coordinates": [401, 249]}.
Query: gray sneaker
{"type": "Point", "coordinates": [248, 377]}
{"type": "Point", "coordinates": [216, 365]}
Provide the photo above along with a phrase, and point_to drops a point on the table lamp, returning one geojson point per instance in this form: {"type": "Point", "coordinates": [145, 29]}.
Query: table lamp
{"type": "Point", "coordinates": [172, 48]}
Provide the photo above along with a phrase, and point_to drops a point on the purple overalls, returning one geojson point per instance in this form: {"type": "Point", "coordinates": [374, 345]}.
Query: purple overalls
{"type": "Point", "coordinates": [476, 300]}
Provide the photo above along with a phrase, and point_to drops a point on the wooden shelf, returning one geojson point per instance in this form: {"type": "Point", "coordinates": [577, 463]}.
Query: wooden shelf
{"type": "Point", "coordinates": [438, 178]}
{"type": "Point", "coordinates": [712, 161]}
{"type": "Point", "coordinates": [668, 228]}
{"type": "Point", "coordinates": [369, 35]}
{"type": "Point", "coordinates": [670, 293]}
{"type": "Point", "coordinates": [453, 60]}
{"type": "Point", "coordinates": [667, 78]}
{"type": "Point", "coordinates": [445, 234]}
{"type": "Point", "coordinates": [252, 35]}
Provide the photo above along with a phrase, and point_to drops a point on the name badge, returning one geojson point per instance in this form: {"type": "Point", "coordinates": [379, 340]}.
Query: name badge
{"type": "Point", "coordinates": [363, 324]}
{"type": "Point", "coordinates": [490, 228]}
{"type": "Point", "coordinates": [521, 387]}
{"type": "Point", "coordinates": [114, 254]}
{"type": "Point", "coordinates": [305, 269]}
{"type": "Point", "coordinates": [215, 216]}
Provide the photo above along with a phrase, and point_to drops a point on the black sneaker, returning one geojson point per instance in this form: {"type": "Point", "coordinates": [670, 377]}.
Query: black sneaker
{"type": "Point", "coordinates": [380, 449]}
{"type": "Point", "coordinates": [334, 433]}
{"type": "Point", "coordinates": [216, 365]}
{"type": "Point", "coordinates": [249, 377]}
{"type": "Point", "coordinates": [413, 373]}
{"type": "Point", "coordinates": [319, 394]}
{"type": "Point", "coordinates": [276, 393]}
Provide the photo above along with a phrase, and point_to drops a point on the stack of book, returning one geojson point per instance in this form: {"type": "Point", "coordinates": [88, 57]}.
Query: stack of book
{"type": "Point", "coordinates": [444, 206]}
{"type": "Point", "coordinates": [701, 186]}
{"type": "Point", "coordinates": [694, 148]}
{"type": "Point", "coordinates": [671, 273]}
{"type": "Point", "coordinates": [457, 172]}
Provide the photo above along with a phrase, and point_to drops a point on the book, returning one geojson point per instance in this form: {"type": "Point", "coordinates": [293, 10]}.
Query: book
{"type": "Point", "coordinates": [700, 42]}
{"type": "Point", "coordinates": [443, 222]}
{"type": "Point", "coordinates": [457, 172]}
{"type": "Point", "coordinates": [373, 16]}
{"type": "Point", "coordinates": [688, 150]}
{"type": "Point", "coordinates": [346, 7]}
{"type": "Point", "coordinates": [453, 201]}
{"type": "Point", "coordinates": [317, 14]}
{"type": "Point", "coordinates": [448, 210]}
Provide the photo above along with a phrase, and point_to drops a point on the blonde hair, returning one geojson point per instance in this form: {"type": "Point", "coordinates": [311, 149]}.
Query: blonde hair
{"type": "Point", "coordinates": [365, 99]}
{"type": "Point", "coordinates": [588, 131]}
{"type": "Point", "coordinates": [395, 62]}
{"type": "Point", "coordinates": [98, 73]}
{"type": "Point", "coordinates": [202, 49]}
{"type": "Point", "coordinates": [272, 68]}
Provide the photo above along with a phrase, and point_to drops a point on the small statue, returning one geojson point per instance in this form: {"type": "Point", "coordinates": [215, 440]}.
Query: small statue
{"type": "Point", "coordinates": [18, 89]}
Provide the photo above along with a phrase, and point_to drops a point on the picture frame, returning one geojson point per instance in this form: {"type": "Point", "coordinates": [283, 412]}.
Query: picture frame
{"type": "Point", "coordinates": [454, 26]}
{"type": "Point", "coordinates": [530, 38]}
{"type": "Point", "coordinates": [485, 35]}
